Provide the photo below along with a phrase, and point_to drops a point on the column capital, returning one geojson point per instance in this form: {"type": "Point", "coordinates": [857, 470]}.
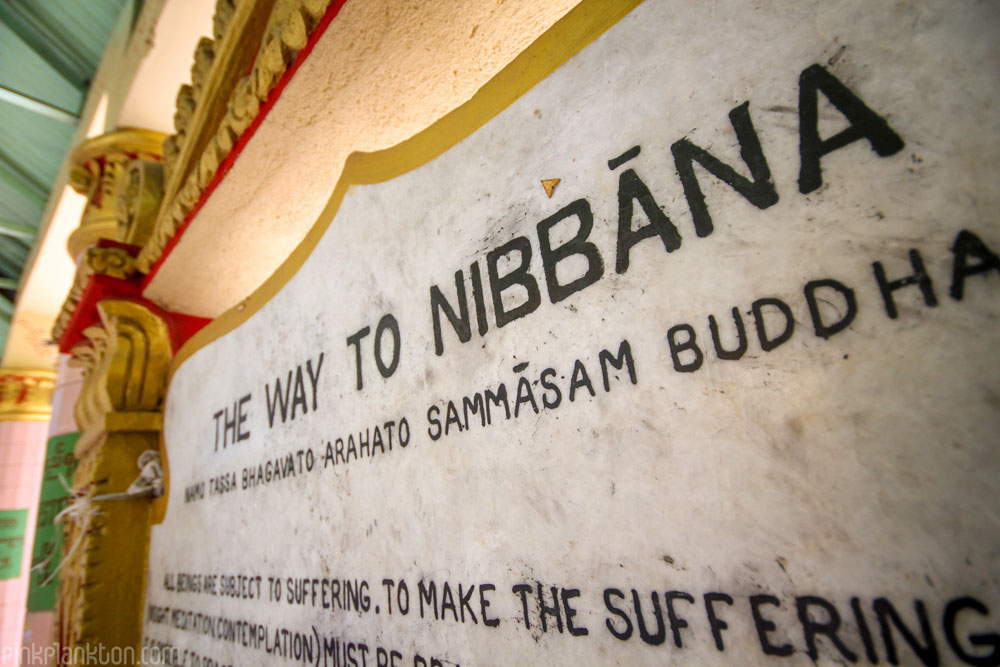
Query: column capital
{"type": "Point", "coordinates": [120, 174]}
{"type": "Point", "coordinates": [26, 394]}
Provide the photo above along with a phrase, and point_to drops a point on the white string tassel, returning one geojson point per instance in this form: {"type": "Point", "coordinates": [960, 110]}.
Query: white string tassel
{"type": "Point", "coordinates": [150, 479]}
{"type": "Point", "coordinates": [81, 509]}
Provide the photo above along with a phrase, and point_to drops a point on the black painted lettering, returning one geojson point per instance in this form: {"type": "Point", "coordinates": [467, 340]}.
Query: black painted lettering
{"type": "Point", "coordinates": [812, 627]}
{"type": "Point", "coordinates": [766, 626]}
{"type": "Point", "coordinates": [389, 584]}
{"type": "Point", "coordinates": [364, 444]}
{"type": "Point", "coordinates": [988, 641]}
{"type": "Point", "coordinates": [464, 602]}
{"type": "Point", "coordinates": [229, 426]}
{"type": "Point", "coordinates": [823, 329]}
{"type": "Point", "coordinates": [448, 602]}
{"type": "Point", "coordinates": [616, 162]}
{"type": "Point", "coordinates": [495, 399]}
{"type": "Point", "coordinates": [676, 622]}
{"type": "Point", "coordinates": [403, 597]}
{"type": "Point", "coordinates": [741, 337]}
{"type": "Point", "coordinates": [475, 406]}
{"type": "Point", "coordinates": [577, 246]}
{"type": "Point", "coordinates": [690, 344]}
{"type": "Point", "coordinates": [523, 590]}
{"type": "Point", "coordinates": [241, 418]}
{"type": "Point", "coordinates": [218, 422]}
{"type": "Point", "coordinates": [484, 603]}
{"type": "Point", "coordinates": [714, 622]}
{"type": "Point", "coordinates": [886, 614]}
{"type": "Point", "coordinates": [567, 595]}
{"type": "Point", "coordinates": [579, 379]}
{"type": "Point", "coordinates": [479, 298]}
{"type": "Point", "coordinates": [968, 245]}
{"type": "Point", "coordinates": [460, 323]}
{"type": "Point", "coordinates": [758, 189]}
{"type": "Point", "coordinates": [428, 596]}
{"type": "Point", "coordinates": [387, 323]}
{"type": "Point", "coordinates": [631, 189]}
{"type": "Point", "coordinates": [548, 385]}
{"type": "Point", "coordinates": [919, 277]}
{"type": "Point", "coordinates": [519, 276]}
{"type": "Point", "coordinates": [864, 124]}
{"type": "Point", "coordinates": [623, 360]}
{"type": "Point", "coordinates": [451, 417]}
{"type": "Point", "coordinates": [434, 430]}
{"type": "Point", "coordinates": [622, 635]}
{"type": "Point", "coordinates": [524, 396]}
{"type": "Point", "coordinates": [299, 394]}
{"type": "Point", "coordinates": [314, 377]}
{"type": "Point", "coordinates": [545, 609]}
{"type": "Point", "coordinates": [355, 340]}
{"type": "Point", "coordinates": [279, 402]}
{"type": "Point", "coordinates": [652, 638]}
{"type": "Point", "coordinates": [866, 635]}
{"type": "Point", "coordinates": [404, 432]}
{"type": "Point", "coordinates": [767, 343]}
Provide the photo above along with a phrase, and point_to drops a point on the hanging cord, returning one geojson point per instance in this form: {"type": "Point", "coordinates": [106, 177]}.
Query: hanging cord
{"type": "Point", "coordinates": [81, 509]}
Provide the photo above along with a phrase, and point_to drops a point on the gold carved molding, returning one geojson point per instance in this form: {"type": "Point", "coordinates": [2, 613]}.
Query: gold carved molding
{"type": "Point", "coordinates": [219, 106]}
{"type": "Point", "coordinates": [114, 262]}
{"type": "Point", "coordinates": [26, 395]}
{"type": "Point", "coordinates": [117, 194]}
{"type": "Point", "coordinates": [125, 362]}
{"type": "Point", "coordinates": [138, 200]}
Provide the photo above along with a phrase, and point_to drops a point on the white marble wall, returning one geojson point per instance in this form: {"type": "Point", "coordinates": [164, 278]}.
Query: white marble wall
{"type": "Point", "coordinates": [814, 494]}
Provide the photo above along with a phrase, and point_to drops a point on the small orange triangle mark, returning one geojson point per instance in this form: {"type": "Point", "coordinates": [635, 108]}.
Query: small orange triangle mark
{"type": "Point", "coordinates": [550, 185]}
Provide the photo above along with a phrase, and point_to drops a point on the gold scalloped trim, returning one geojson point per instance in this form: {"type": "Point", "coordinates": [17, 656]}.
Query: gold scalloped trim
{"type": "Point", "coordinates": [288, 28]}
{"type": "Point", "coordinates": [114, 262]}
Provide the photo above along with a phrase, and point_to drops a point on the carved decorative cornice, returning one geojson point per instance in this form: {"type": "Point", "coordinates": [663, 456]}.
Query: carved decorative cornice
{"type": "Point", "coordinates": [138, 200]}
{"type": "Point", "coordinates": [26, 395]}
{"type": "Point", "coordinates": [125, 362]}
{"type": "Point", "coordinates": [99, 169]}
{"type": "Point", "coordinates": [218, 107]}
{"type": "Point", "coordinates": [107, 261]}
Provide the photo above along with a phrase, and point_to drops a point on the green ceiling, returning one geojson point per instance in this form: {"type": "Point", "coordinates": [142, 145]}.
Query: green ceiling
{"type": "Point", "coordinates": [49, 50]}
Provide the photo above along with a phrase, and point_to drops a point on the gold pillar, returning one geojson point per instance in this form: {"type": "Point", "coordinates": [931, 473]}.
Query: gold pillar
{"type": "Point", "coordinates": [125, 364]}
{"type": "Point", "coordinates": [124, 355]}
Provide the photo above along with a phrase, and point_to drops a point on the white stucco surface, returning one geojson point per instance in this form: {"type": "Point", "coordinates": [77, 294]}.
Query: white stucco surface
{"type": "Point", "coordinates": [382, 71]}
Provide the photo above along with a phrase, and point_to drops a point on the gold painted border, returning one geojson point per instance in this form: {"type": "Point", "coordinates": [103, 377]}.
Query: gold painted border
{"type": "Point", "coordinates": [564, 39]}
{"type": "Point", "coordinates": [37, 406]}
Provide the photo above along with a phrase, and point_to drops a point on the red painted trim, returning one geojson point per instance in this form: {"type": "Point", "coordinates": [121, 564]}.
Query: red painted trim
{"type": "Point", "coordinates": [181, 327]}
{"type": "Point", "coordinates": [130, 249]}
{"type": "Point", "coordinates": [102, 288]}
{"type": "Point", "coordinates": [230, 159]}
{"type": "Point", "coordinates": [98, 289]}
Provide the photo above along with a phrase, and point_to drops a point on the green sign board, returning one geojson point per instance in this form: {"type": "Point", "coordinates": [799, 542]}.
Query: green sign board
{"type": "Point", "coordinates": [59, 462]}
{"type": "Point", "coordinates": [12, 523]}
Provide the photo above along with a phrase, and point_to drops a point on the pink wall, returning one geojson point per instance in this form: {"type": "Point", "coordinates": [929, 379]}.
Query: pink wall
{"type": "Point", "coordinates": [22, 456]}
